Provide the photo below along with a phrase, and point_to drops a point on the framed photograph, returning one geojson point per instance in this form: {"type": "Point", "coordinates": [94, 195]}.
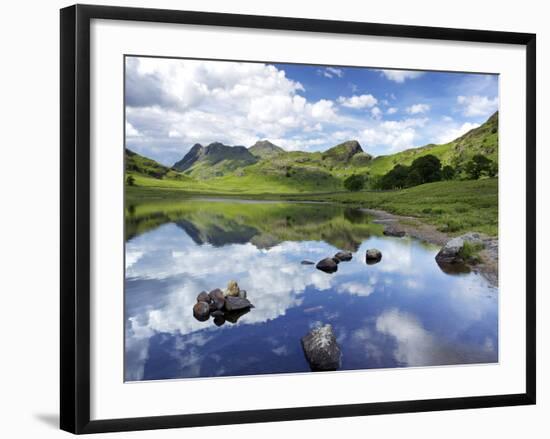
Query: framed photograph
{"type": "Point", "coordinates": [268, 218]}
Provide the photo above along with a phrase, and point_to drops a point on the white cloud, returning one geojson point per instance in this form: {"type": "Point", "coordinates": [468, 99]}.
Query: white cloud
{"type": "Point", "coordinates": [452, 133]}
{"type": "Point", "coordinates": [376, 113]}
{"type": "Point", "coordinates": [331, 72]}
{"type": "Point", "coordinates": [131, 131]}
{"type": "Point", "coordinates": [357, 102]}
{"type": "Point", "coordinates": [392, 110]}
{"type": "Point", "coordinates": [394, 135]}
{"type": "Point", "coordinates": [401, 76]}
{"type": "Point", "coordinates": [418, 109]}
{"type": "Point", "coordinates": [477, 105]}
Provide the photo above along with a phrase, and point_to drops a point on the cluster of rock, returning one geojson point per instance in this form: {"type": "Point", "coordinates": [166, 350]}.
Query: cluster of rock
{"type": "Point", "coordinates": [330, 265]}
{"type": "Point", "coordinates": [321, 349]}
{"type": "Point", "coordinates": [228, 305]}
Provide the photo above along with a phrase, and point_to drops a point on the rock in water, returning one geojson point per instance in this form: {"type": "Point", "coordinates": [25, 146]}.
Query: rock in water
{"type": "Point", "coordinates": [392, 231]}
{"type": "Point", "coordinates": [236, 303]}
{"type": "Point", "coordinates": [321, 349]}
{"type": "Point", "coordinates": [232, 289]}
{"type": "Point", "coordinates": [217, 297]}
{"type": "Point", "coordinates": [306, 262]}
{"type": "Point", "coordinates": [343, 256]}
{"type": "Point", "coordinates": [203, 297]}
{"type": "Point", "coordinates": [373, 256]}
{"type": "Point", "coordinates": [328, 265]}
{"type": "Point", "coordinates": [201, 311]}
{"type": "Point", "coordinates": [451, 253]}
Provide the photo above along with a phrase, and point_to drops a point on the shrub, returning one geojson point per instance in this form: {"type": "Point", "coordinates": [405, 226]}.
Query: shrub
{"type": "Point", "coordinates": [354, 183]}
{"type": "Point", "coordinates": [130, 180]}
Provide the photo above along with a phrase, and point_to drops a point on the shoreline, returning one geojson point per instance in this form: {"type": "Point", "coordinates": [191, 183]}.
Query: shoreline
{"type": "Point", "coordinates": [414, 227]}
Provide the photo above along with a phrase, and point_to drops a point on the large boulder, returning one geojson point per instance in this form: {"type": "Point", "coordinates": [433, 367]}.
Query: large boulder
{"type": "Point", "coordinates": [373, 256]}
{"type": "Point", "coordinates": [236, 303]}
{"type": "Point", "coordinates": [328, 265]}
{"type": "Point", "coordinates": [343, 256]}
{"type": "Point", "coordinates": [451, 253]}
{"type": "Point", "coordinates": [321, 349]}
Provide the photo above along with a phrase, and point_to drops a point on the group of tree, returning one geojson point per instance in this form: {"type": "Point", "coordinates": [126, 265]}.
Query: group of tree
{"type": "Point", "coordinates": [425, 169]}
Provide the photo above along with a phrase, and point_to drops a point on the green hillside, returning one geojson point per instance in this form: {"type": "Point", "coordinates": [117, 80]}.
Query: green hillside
{"type": "Point", "coordinates": [267, 168]}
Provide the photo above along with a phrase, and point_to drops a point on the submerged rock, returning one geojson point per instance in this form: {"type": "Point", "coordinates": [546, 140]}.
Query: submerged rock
{"type": "Point", "coordinates": [321, 349]}
{"type": "Point", "coordinates": [201, 311]}
{"type": "Point", "coordinates": [306, 262]}
{"type": "Point", "coordinates": [373, 256]}
{"type": "Point", "coordinates": [236, 303]}
{"type": "Point", "coordinates": [392, 231]}
{"type": "Point", "coordinates": [343, 256]}
{"type": "Point", "coordinates": [328, 265]}
{"type": "Point", "coordinates": [234, 316]}
{"type": "Point", "coordinates": [232, 289]}
{"type": "Point", "coordinates": [203, 297]}
{"type": "Point", "coordinates": [219, 320]}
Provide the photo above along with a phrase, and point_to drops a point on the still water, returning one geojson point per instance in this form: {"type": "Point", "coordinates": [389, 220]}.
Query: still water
{"type": "Point", "coordinates": [402, 312]}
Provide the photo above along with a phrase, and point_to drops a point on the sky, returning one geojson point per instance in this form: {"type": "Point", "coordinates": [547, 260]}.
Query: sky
{"type": "Point", "coordinates": [171, 104]}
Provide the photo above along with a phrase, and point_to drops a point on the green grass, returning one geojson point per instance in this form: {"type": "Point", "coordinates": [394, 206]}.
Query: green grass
{"type": "Point", "coordinates": [470, 252]}
{"type": "Point", "coordinates": [454, 207]}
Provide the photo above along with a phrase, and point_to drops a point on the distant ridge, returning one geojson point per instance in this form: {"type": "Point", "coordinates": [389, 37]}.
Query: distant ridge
{"type": "Point", "coordinates": [264, 149]}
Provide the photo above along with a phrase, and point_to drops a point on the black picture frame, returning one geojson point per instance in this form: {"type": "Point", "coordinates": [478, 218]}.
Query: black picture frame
{"type": "Point", "coordinates": [75, 217]}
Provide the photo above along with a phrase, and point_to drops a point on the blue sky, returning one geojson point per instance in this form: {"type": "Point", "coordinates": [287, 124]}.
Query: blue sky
{"type": "Point", "coordinates": [171, 104]}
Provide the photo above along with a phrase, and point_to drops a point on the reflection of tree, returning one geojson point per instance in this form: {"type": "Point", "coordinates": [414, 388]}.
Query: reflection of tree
{"type": "Point", "coordinates": [263, 224]}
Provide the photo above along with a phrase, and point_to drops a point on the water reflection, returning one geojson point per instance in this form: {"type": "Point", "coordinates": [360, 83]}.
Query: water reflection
{"type": "Point", "coordinates": [403, 311]}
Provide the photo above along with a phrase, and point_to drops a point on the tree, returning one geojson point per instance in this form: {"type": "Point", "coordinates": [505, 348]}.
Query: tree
{"type": "Point", "coordinates": [478, 165]}
{"type": "Point", "coordinates": [493, 169]}
{"type": "Point", "coordinates": [130, 180]}
{"type": "Point", "coordinates": [428, 168]}
{"type": "Point", "coordinates": [447, 172]}
{"type": "Point", "coordinates": [396, 178]}
{"type": "Point", "coordinates": [354, 183]}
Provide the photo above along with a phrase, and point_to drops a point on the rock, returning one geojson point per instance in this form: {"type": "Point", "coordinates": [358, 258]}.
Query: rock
{"type": "Point", "coordinates": [203, 297]}
{"type": "Point", "coordinates": [234, 316]}
{"type": "Point", "coordinates": [242, 294]}
{"type": "Point", "coordinates": [217, 298]}
{"type": "Point", "coordinates": [201, 311]}
{"type": "Point", "coordinates": [232, 289]}
{"type": "Point", "coordinates": [219, 320]}
{"type": "Point", "coordinates": [392, 231]}
{"type": "Point", "coordinates": [373, 256]}
{"type": "Point", "coordinates": [451, 253]}
{"type": "Point", "coordinates": [321, 349]}
{"type": "Point", "coordinates": [328, 265]}
{"type": "Point", "coordinates": [217, 313]}
{"type": "Point", "coordinates": [306, 262]}
{"type": "Point", "coordinates": [236, 303]}
{"type": "Point", "coordinates": [343, 256]}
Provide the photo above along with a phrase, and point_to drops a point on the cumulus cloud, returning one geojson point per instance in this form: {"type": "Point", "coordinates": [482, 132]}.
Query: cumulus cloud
{"type": "Point", "coordinates": [358, 102]}
{"type": "Point", "coordinates": [418, 109]}
{"type": "Point", "coordinates": [175, 103]}
{"type": "Point", "coordinates": [376, 113]}
{"type": "Point", "coordinates": [401, 76]}
{"type": "Point", "coordinates": [395, 134]}
{"type": "Point", "coordinates": [451, 134]}
{"type": "Point", "coordinates": [477, 105]}
{"type": "Point", "coordinates": [392, 110]}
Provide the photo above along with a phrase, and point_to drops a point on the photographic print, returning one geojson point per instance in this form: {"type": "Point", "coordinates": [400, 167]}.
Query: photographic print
{"type": "Point", "coordinates": [292, 218]}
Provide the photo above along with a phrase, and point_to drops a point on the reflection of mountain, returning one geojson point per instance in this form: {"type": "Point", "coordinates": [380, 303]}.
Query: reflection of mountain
{"type": "Point", "coordinates": [263, 224]}
{"type": "Point", "coordinates": [217, 236]}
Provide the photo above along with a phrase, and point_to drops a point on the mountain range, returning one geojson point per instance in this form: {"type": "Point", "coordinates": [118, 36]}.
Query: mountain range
{"type": "Point", "coordinates": [267, 164]}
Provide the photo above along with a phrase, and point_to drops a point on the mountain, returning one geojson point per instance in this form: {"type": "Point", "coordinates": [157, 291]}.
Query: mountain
{"type": "Point", "coordinates": [214, 160]}
{"type": "Point", "coordinates": [267, 168]}
{"type": "Point", "coordinates": [264, 149]}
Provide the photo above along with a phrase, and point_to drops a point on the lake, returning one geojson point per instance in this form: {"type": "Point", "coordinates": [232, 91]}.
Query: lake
{"type": "Point", "coordinates": [401, 312]}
